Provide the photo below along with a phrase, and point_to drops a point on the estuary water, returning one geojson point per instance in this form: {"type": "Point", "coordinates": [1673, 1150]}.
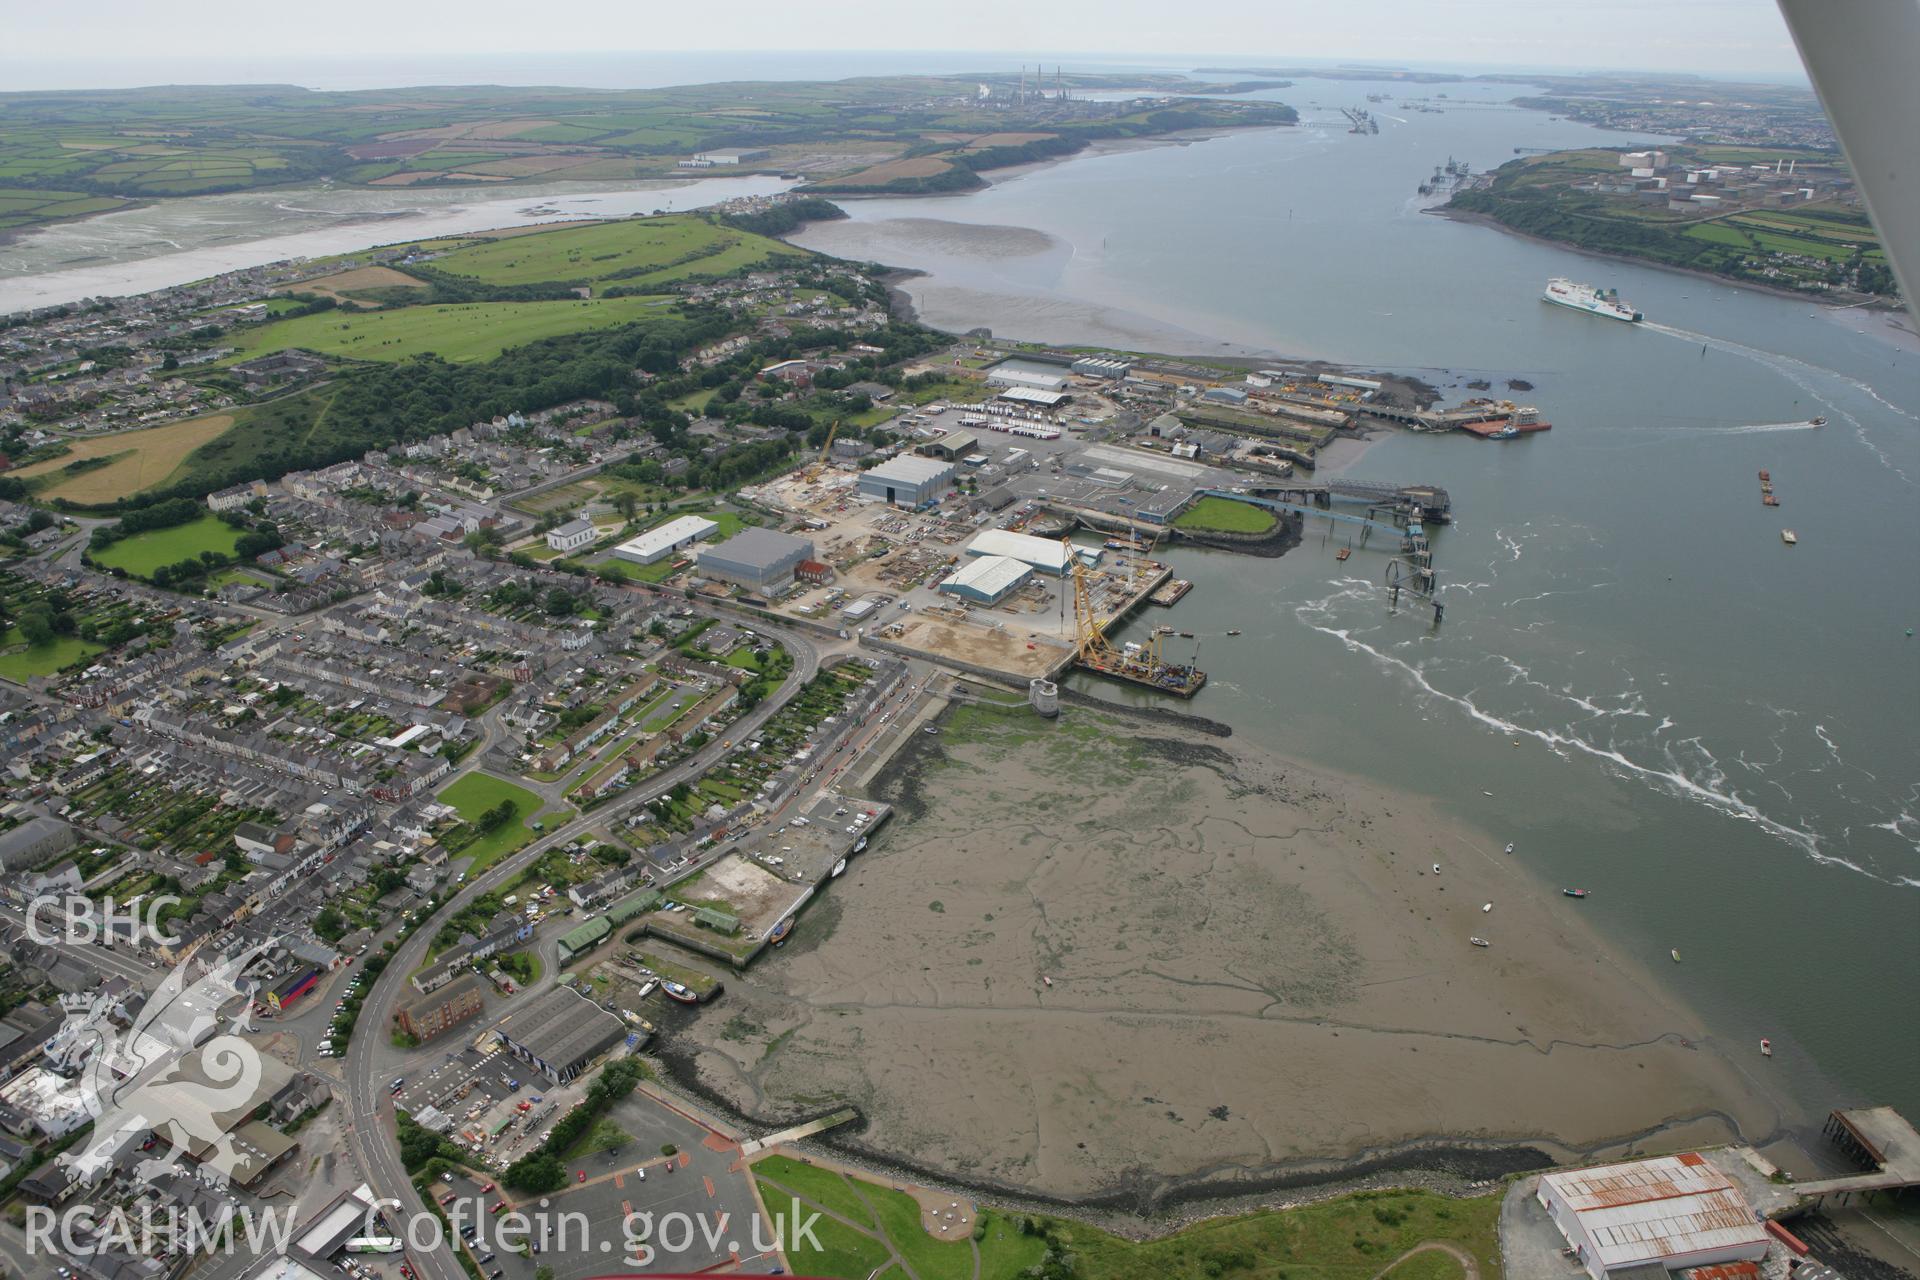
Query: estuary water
{"type": "Point", "coordinates": [175, 242]}
{"type": "Point", "coordinates": [1637, 682]}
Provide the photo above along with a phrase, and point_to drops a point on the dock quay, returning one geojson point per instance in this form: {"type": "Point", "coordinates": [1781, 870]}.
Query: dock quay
{"type": "Point", "coordinates": [1881, 1140]}
{"type": "Point", "coordinates": [1487, 419]}
{"type": "Point", "coordinates": [1170, 593]}
{"type": "Point", "coordinates": [1399, 504]}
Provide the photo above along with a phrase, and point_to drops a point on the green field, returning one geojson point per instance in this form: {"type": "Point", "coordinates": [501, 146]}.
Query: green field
{"type": "Point", "coordinates": [637, 251]}
{"type": "Point", "coordinates": [61, 150]}
{"type": "Point", "coordinates": [476, 793]}
{"type": "Point", "coordinates": [459, 332]}
{"type": "Point", "coordinates": [1551, 196]}
{"type": "Point", "coordinates": [1226, 516]}
{"type": "Point", "coordinates": [20, 206]}
{"type": "Point", "coordinates": [1355, 1237]}
{"type": "Point", "coordinates": [886, 1223]}
{"type": "Point", "coordinates": [18, 662]}
{"type": "Point", "coordinates": [142, 553]}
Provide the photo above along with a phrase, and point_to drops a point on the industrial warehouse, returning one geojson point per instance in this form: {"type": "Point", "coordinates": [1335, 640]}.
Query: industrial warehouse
{"type": "Point", "coordinates": [755, 559]}
{"type": "Point", "coordinates": [987, 579]}
{"type": "Point", "coordinates": [908, 481]}
{"type": "Point", "coordinates": [560, 1033]}
{"type": "Point", "coordinates": [657, 544]}
{"type": "Point", "coordinates": [1673, 1212]}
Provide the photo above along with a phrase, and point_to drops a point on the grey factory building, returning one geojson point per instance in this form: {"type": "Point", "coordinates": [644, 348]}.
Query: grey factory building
{"type": "Point", "coordinates": [560, 1033]}
{"type": "Point", "coordinates": [757, 559]}
{"type": "Point", "coordinates": [907, 481]}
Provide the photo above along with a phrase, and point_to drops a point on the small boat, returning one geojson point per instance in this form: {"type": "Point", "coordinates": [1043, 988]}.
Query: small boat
{"type": "Point", "coordinates": [860, 844]}
{"type": "Point", "coordinates": [683, 994]}
{"type": "Point", "coordinates": [1486, 908]}
{"type": "Point", "coordinates": [778, 934]}
{"type": "Point", "coordinates": [1765, 475]}
{"type": "Point", "coordinates": [1675, 953]}
{"type": "Point", "coordinates": [1789, 537]}
{"type": "Point", "coordinates": [1486, 793]}
{"type": "Point", "coordinates": [1770, 501]}
{"type": "Point", "coordinates": [1575, 893]}
{"type": "Point", "coordinates": [1817, 422]}
{"type": "Point", "coordinates": [1186, 635]}
{"type": "Point", "coordinates": [1343, 553]}
{"type": "Point", "coordinates": [1766, 1047]}
{"type": "Point", "coordinates": [1163, 630]}
{"type": "Point", "coordinates": [1479, 942]}
{"type": "Point", "coordinates": [839, 868]}
{"type": "Point", "coordinates": [1509, 846]}
{"type": "Point", "coordinates": [1233, 632]}
{"type": "Point", "coordinates": [1044, 978]}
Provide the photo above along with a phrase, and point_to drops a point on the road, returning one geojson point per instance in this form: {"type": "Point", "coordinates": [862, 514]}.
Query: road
{"type": "Point", "coordinates": [370, 1055]}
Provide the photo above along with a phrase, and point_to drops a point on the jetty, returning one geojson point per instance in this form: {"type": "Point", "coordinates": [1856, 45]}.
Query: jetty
{"type": "Point", "coordinates": [1878, 1138]}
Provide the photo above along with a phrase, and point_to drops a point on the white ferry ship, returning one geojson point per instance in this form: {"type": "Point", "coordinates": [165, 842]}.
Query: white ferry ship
{"type": "Point", "coordinates": [1584, 297]}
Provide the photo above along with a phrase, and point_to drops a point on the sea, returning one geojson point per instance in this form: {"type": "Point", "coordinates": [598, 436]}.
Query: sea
{"type": "Point", "coordinates": [1637, 683]}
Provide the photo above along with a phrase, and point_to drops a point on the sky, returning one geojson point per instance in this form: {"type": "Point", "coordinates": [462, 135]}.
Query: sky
{"type": "Point", "coordinates": [114, 42]}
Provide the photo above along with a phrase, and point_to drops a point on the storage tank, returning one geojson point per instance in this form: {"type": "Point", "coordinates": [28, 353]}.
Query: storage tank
{"type": "Point", "coordinates": [1044, 695]}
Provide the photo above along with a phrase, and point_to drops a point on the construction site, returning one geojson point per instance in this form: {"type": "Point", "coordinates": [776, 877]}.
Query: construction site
{"type": "Point", "coordinates": [1016, 534]}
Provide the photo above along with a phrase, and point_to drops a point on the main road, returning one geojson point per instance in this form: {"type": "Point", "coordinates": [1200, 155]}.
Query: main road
{"type": "Point", "coordinates": [367, 1102]}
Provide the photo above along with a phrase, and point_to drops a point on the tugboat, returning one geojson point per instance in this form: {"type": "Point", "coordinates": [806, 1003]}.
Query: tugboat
{"type": "Point", "coordinates": [678, 992]}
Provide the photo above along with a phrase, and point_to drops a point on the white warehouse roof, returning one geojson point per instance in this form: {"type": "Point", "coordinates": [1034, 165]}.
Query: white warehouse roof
{"type": "Point", "coordinates": [912, 469]}
{"type": "Point", "coordinates": [1651, 1210]}
{"type": "Point", "coordinates": [1028, 395]}
{"type": "Point", "coordinates": [991, 576]}
{"type": "Point", "coordinates": [1041, 553]}
{"type": "Point", "coordinates": [673, 532]}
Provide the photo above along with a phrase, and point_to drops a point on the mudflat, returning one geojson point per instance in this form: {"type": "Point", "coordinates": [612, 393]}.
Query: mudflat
{"type": "Point", "coordinates": [1251, 965]}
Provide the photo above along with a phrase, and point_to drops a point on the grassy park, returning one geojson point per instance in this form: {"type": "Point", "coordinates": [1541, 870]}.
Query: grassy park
{"type": "Point", "coordinates": [1224, 515]}
{"type": "Point", "coordinates": [472, 796]}
{"type": "Point", "coordinates": [19, 661]}
{"type": "Point", "coordinates": [1354, 1237]}
{"type": "Point", "coordinates": [635, 251]}
{"type": "Point", "coordinates": [142, 553]}
{"type": "Point", "coordinates": [461, 332]}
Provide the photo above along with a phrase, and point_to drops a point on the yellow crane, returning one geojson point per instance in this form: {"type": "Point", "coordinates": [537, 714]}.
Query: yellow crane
{"type": "Point", "coordinates": [1141, 663]}
{"type": "Point", "coordinates": [820, 463]}
{"type": "Point", "coordinates": [1090, 641]}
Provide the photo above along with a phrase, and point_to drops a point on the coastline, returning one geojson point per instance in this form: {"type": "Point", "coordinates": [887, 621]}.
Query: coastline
{"type": "Point", "coordinates": [1797, 295]}
{"type": "Point", "coordinates": [1097, 147]}
{"type": "Point", "coordinates": [1256, 985]}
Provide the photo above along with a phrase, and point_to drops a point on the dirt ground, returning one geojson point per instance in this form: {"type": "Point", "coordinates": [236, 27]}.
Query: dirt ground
{"type": "Point", "coordinates": [755, 894]}
{"type": "Point", "coordinates": [342, 283]}
{"type": "Point", "coordinates": [141, 459]}
{"type": "Point", "coordinates": [1000, 651]}
{"type": "Point", "coordinates": [1251, 965]}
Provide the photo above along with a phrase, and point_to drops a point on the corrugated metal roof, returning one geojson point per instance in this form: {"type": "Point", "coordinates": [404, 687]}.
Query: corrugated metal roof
{"type": "Point", "coordinates": [1660, 1208]}
{"type": "Point", "coordinates": [989, 575]}
{"type": "Point", "coordinates": [1042, 553]}
{"type": "Point", "coordinates": [1726, 1271]}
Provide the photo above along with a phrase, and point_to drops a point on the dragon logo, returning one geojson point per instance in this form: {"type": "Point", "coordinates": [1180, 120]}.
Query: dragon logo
{"type": "Point", "coordinates": [169, 1075]}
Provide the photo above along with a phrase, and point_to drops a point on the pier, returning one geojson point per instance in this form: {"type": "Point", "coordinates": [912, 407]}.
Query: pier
{"type": "Point", "coordinates": [1881, 1139]}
